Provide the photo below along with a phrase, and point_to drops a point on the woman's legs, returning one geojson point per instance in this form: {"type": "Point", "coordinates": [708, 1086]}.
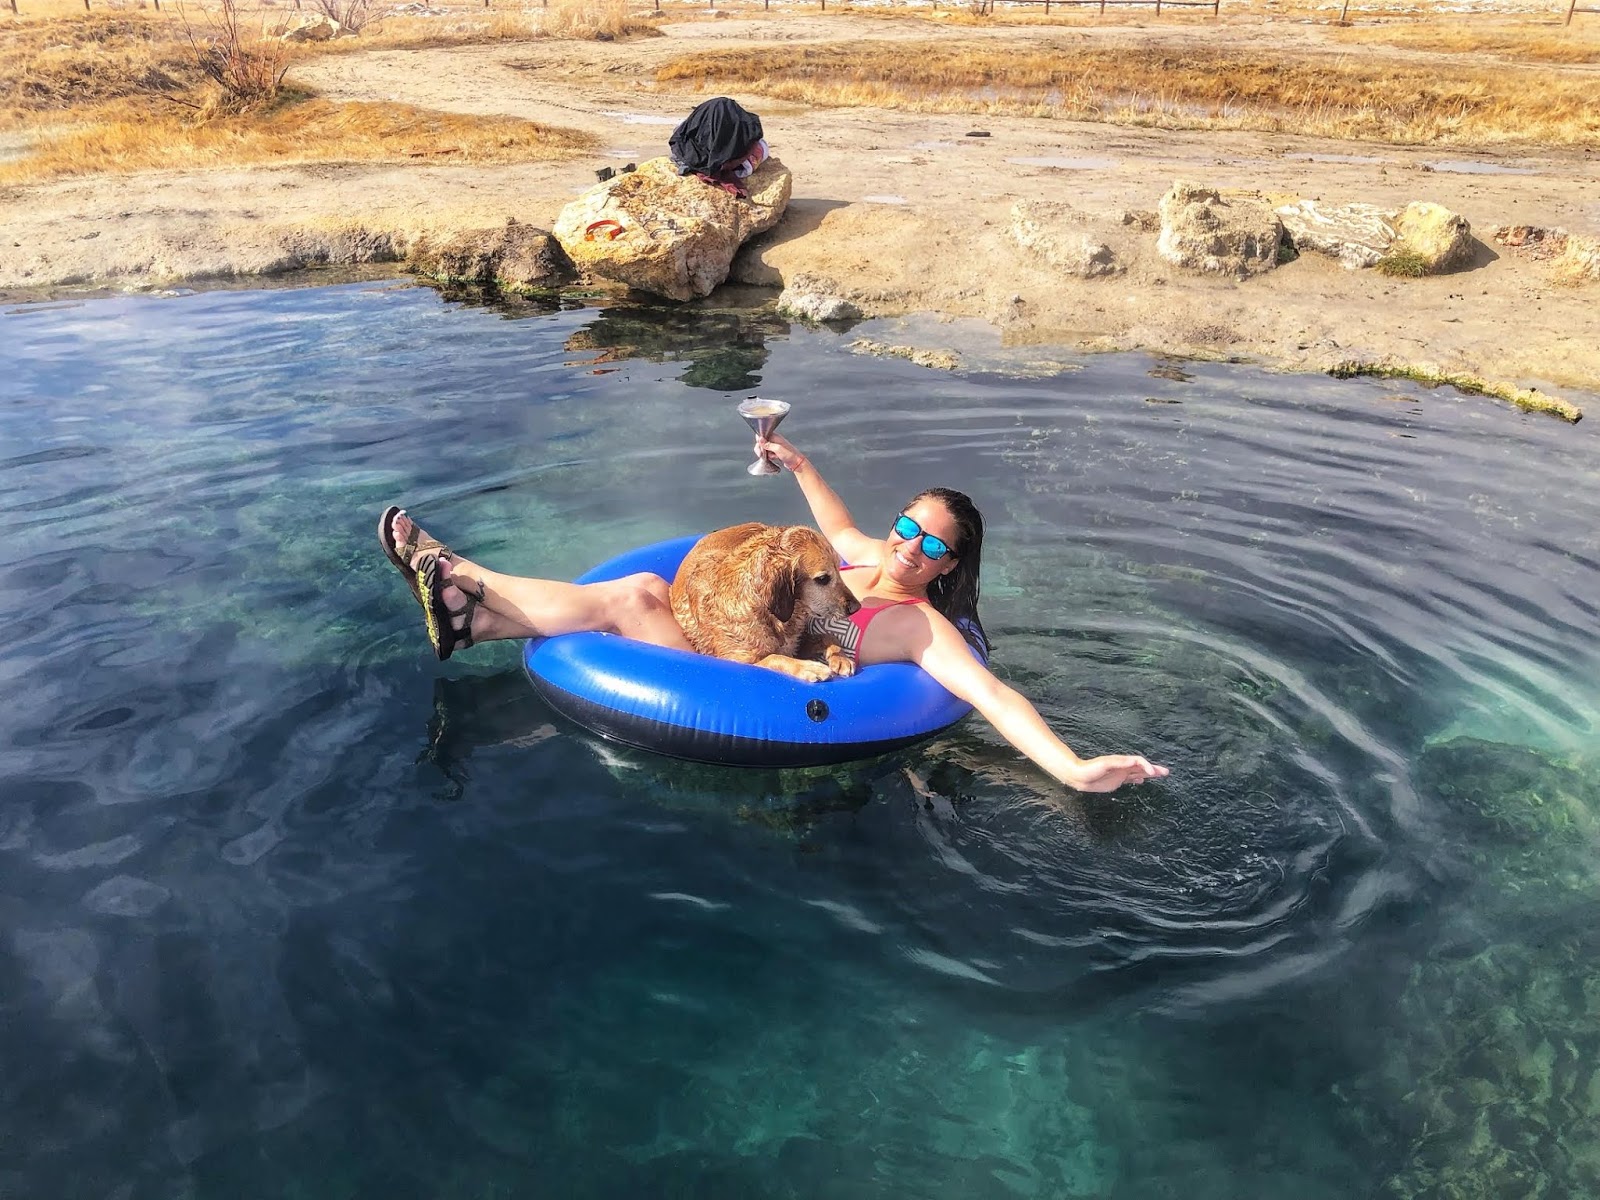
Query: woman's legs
{"type": "Point", "coordinates": [514, 606]}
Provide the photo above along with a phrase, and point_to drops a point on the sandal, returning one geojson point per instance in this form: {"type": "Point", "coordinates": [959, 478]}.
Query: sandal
{"type": "Point", "coordinates": [443, 635]}
{"type": "Point", "coordinates": [403, 556]}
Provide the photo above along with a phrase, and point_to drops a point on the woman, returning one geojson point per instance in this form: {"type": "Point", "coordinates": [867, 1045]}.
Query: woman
{"type": "Point", "coordinates": [918, 590]}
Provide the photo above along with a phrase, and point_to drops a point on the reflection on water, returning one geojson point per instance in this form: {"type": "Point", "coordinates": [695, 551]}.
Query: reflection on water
{"type": "Point", "coordinates": [725, 349]}
{"type": "Point", "coordinates": [291, 909]}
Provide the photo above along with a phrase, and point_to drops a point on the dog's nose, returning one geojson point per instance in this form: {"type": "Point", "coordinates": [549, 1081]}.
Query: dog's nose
{"type": "Point", "coordinates": [851, 607]}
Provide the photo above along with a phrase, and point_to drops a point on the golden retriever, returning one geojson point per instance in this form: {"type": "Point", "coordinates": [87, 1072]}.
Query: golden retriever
{"type": "Point", "coordinates": [747, 593]}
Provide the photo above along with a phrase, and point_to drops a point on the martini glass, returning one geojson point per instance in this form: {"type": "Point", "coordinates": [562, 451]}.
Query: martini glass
{"type": "Point", "coordinates": [763, 416]}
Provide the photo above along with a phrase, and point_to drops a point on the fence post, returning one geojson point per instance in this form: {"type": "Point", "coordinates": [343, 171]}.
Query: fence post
{"type": "Point", "coordinates": [1571, 8]}
{"type": "Point", "coordinates": [1158, 8]}
{"type": "Point", "coordinates": [1047, 7]}
{"type": "Point", "coordinates": [1345, 12]}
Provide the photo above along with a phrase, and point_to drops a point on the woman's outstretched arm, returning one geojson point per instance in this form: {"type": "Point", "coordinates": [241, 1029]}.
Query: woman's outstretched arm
{"type": "Point", "coordinates": [829, 512]}
{"type": "Point", "coordinates": [939, 649]}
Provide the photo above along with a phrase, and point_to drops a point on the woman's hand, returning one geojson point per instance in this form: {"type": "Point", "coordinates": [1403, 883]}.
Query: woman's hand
{"type": "Point", "coordinates": [1110, 771]}
{"type": "Point", "coordinates": [781, 450]}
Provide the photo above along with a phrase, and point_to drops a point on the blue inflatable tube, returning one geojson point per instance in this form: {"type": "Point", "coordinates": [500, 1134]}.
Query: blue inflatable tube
{"type": "Point", "coordinates": [704, 709]}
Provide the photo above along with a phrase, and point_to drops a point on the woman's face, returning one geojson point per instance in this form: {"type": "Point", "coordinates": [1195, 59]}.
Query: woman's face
{"type": "Point", "coordinates": [907, 563]}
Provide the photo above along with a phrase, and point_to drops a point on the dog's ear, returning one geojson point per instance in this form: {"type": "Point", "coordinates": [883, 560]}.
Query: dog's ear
{"type": "Point", "coordinates": [786, 584]}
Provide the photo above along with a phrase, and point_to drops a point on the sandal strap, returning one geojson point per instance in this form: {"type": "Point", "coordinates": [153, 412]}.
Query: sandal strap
{"type": "Point", "coordinates": [442, 631]}
{"type": "Point", "coordinates": [461, 639]}
{"type": "Point", "coordinates": [411, 547]}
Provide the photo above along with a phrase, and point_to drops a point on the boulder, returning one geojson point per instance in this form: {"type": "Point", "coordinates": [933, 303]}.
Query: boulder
{"type": "Point", "coordinates": [514, 257]}
{"type": "Point", "coordinates": [1056, 232]}
{"type": "Point", "coordinates": [1358, 235]}
{"type": "Point", "coordinates": [671, 235]}
{"type": "Point", "coordinates": [1202, 229]}
{"type": "Point", "coordinates": [1431, 241]}
{"type": "Point", "coordinates": [308, 27]}
{"type": "Point", "coordinates": [1578, 262]}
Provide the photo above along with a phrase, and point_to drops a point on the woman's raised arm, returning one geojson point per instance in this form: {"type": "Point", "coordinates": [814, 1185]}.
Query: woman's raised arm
{"type": "Point", "coordinates": [827, 510]}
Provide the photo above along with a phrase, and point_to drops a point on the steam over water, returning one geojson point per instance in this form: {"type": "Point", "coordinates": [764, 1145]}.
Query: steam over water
{"type": "Point", "coordinates": [289, 909]}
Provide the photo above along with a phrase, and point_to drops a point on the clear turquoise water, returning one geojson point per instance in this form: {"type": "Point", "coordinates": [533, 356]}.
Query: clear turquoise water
{"type": "Point", "coordinates": [289, 910]}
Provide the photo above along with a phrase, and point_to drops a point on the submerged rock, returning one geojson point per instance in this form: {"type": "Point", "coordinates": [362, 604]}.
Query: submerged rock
{"type": "Point", "coordinates": [938, 360]}
{"type": "Point", "coordinates": [1204, 229]}
{"type": "Point", "coordinates": [1514, 795]}
{"type": "Point", "coordinates": [671, 235]}
{"type": "Point", "coordinates": [1485, 1080]}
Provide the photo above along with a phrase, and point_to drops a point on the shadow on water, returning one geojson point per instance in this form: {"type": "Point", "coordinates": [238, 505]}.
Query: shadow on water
{"type": "Point", "coordinates": [722, 340]}
{"type": "Point", "coordinates": [478, 713]}
{"type": "Point", "coordinates": [475, 714]}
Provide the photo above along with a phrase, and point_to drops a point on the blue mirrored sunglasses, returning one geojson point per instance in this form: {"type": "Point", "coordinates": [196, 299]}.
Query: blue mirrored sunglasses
{"type": "Point", "coordinates": [932, 547]}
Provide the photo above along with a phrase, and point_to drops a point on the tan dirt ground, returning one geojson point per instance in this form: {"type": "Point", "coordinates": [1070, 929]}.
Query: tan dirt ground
{"type": "Point", "coordinates": [945, 249]}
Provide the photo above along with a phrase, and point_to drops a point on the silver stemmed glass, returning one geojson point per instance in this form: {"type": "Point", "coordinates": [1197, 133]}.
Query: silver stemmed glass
{"type": "Point", "coordinates": [763, 416]}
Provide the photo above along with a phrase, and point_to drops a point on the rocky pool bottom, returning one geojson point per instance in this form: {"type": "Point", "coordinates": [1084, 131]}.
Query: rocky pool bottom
{"type": "Point", "coordinates": [291, 910]}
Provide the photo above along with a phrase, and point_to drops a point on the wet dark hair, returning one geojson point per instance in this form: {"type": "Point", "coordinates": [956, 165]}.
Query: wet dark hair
{"type": "Point", "coordinates": [955, 596]}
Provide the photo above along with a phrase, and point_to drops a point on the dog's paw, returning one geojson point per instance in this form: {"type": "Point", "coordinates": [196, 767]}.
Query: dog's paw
{"type": "Point", "coordinates": [813, 672]}
{"type": "Point", "coordinates": [806, 670]}
{"type": "Point", "coordinates": [839, 661]}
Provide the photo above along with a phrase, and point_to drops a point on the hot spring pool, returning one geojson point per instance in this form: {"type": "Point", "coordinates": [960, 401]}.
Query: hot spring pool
{"type": "Point", "coordinates": [290, 910]}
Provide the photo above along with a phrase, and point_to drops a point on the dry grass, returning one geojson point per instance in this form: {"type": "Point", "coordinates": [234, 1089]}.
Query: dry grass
{"type": "Point", "coordinates": [1526, 42]}
{"type": "Point", "coordinates": [111, 92]}
{"type": "Point", "coordinates": [1192, 88]}
{"type": "Point", "coordinates": [577, 20]}
{"type": "Point", "coordinates": [81, 64]}
{"type": "Point", "coordinates": [308, 130]}
{"type": "Point", "coordinates": [590, 20]}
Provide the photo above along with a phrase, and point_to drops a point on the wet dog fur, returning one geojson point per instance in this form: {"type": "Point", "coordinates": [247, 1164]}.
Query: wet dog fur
{"type": "Point", "coordinates": [747, 593]}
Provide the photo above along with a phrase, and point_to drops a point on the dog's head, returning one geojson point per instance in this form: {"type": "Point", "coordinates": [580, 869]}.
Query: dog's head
{"type": "Point", "coordinates": [805, 577]}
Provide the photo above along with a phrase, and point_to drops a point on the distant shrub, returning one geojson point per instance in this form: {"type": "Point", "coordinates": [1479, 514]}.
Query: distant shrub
{"type": "Point", "coordinates": [247, 69]}
{"type": "Point", "coordinates": [352, 15]}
